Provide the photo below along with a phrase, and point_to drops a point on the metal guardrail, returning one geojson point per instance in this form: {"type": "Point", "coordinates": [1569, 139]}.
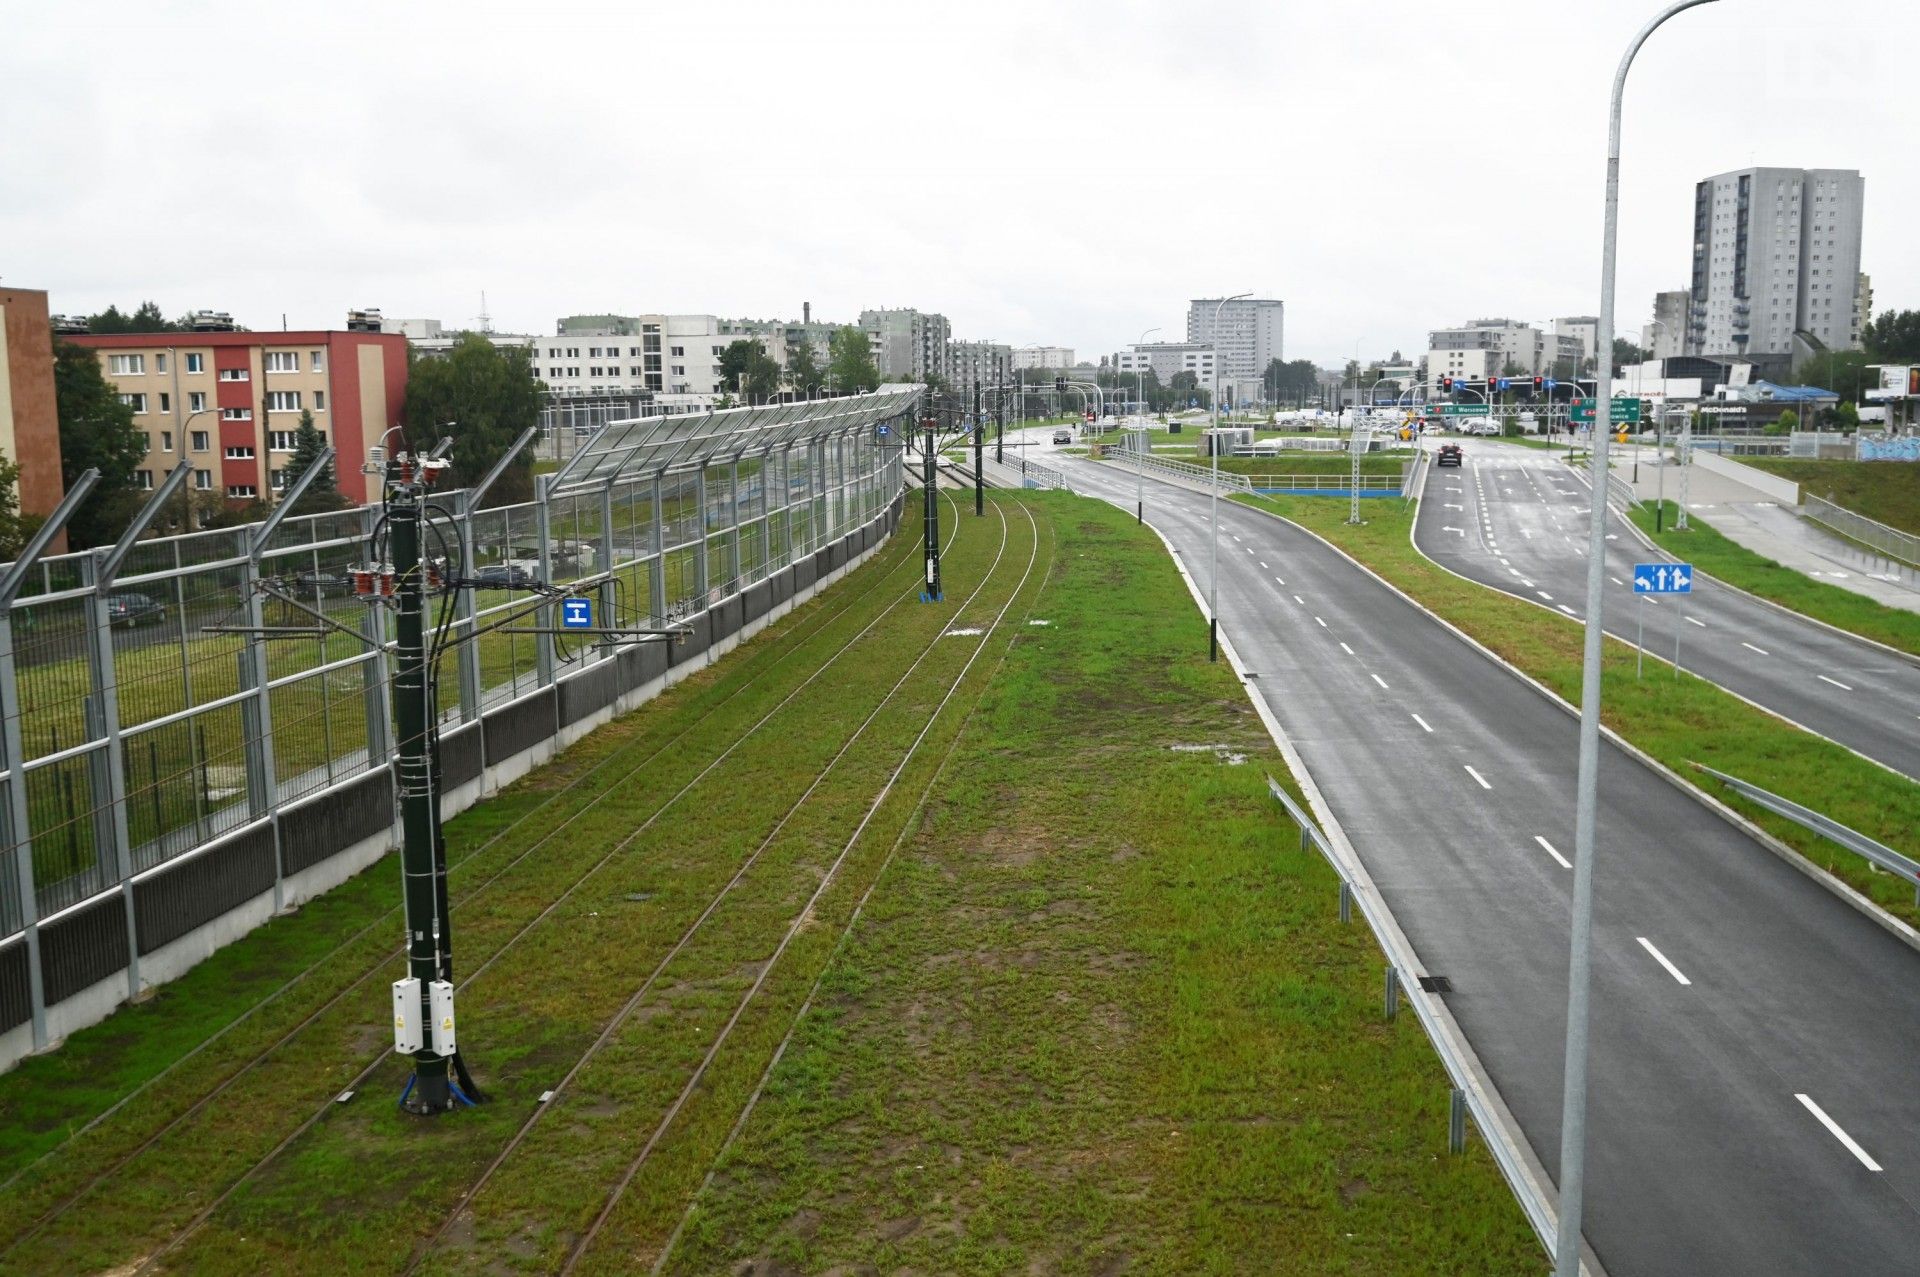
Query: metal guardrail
{"type": "Point", "coordinates": [1891, 543]}
{"type": "Point", "coordinates": [1322, 482]}
{"type": "Point", "coordinates": [1853, 840]}
{"type": "Point", "coordinates": [1186, 472]}
{"type": "Point", "coordinates": [1620, 492]}
{"type": "Point", "coordinates": [1468, 1097]}
{"type": "Point", "coordinates": [1035, 475]}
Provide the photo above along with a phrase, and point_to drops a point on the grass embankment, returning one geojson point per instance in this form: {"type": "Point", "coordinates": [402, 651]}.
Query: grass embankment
{"type": "Point", "coordinates": [1076, 1024]}
{"type": "Point", "coordinates": [1885, 490]}
{"type": "Point", "coordinates": [1733, 563]}
{"type": "Point", "coordinates": [1100, 1013]}
{"type": "Point", "coordinates": [1676, 721]}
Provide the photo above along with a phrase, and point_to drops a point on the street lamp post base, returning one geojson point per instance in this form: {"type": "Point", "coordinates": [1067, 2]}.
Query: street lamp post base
{"type": "Point", "coordinates": [1213, 638]}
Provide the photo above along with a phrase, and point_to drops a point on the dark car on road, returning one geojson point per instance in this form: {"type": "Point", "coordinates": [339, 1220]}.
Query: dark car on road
{"type": "Point", "coordinates": [323, 582]}
{"type": "Point", "coordinates": [504, 576]}
{"type": "Point", "coordinates": [1449, 455]}
{"type": "Point", "coordinates": [130, 610]}
{"type": "Point", "coordinates": [1063, 436]}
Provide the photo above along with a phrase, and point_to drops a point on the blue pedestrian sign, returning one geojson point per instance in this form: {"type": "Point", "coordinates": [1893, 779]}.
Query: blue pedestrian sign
{"type": "Point", "coordinates": [576, 614]}
{"type": "Point", "coordinates": [1663, 578]}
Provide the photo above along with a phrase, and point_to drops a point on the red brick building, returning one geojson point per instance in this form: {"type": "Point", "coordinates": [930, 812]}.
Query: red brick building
{"type": "Point", "coordinates": [29, 423]}
{"type": "Point", "coordinates": [231, 401]}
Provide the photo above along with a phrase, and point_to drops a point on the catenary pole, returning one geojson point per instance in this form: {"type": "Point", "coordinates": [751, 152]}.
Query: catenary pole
{"type": "Point", "coordinates": [1213, 492]}
{"type": "Point", "coordinates": [1573, 1117]}
{"type": "Point", "coordinates": [979, 444]}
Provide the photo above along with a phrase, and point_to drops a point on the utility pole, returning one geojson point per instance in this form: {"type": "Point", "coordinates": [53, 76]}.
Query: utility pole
{"type": "Point", "coordinates": [1000, 422]}
{"type": "Point", "coordinates": [979, 440]}
{"type": "Point", "coordinates": [931, 594]}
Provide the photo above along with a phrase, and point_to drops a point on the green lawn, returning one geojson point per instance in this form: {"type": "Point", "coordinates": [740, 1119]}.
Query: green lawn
{"type": "Point", "coordinates": [1885, 490]}
{"type": "Point", "coordinates": [1736, 565]}
{"type": "Point", "coordinates": [1676, 721]}
{"type": "Point", "coordinates": [1080, 1024]}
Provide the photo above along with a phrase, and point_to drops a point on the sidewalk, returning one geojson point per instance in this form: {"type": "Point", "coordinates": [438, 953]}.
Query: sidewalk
{"type": "Point", "coordinates": [1759, 523]}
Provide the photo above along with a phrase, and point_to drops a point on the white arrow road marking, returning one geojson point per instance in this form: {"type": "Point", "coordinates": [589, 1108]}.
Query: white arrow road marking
{"type": "Point", "coordinates": [1833, 1127]}
{"type": "Point", "coordinates": [1751, 648]}
{"type": "Point", "coordinates": [1477, 776]}
{"type": "Point", "coordinates": [1422, 722]}
{"type": "Point", "coordinates": [1461, 531]}
{"type": "Point", "coordinates": [1564, 862]}
{"type": "Point", "coordinates": [1836, 682]}
{"type": "Point", "coordinates": [1449, 505]}
{"type": "Point", "coordinates": [1661, 958]}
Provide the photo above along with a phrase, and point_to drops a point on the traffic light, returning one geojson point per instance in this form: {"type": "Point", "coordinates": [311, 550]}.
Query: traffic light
{"type": "Point", "coordinates": [1536, 385]}
{"type": "Point", "coordinates": [1059, 385]}
{"type": "Point", "coordinates": [1446, 385]}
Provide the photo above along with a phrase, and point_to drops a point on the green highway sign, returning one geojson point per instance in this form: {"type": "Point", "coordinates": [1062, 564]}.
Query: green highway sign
{"type": "Point", "coordinates": [1465, 410]}
{"type": "Point", "coordinates": [1621, 412]}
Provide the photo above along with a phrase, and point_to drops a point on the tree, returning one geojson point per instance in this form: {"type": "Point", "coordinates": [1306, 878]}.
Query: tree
{"type": "Point", "coordinates": [483, 395]}
{"type": "Point", "coordinates": [146, 319]}
{"type": "Point", "coordinates": [1846, 416]}
{"type": "Point", "coordinates": [308, 444]}
{"type": "Point", "coordinates": [15, 528]}
{"type": "Point", "coordinates": [747, 369]}
{"type": "Point", "coordinates": [1625, 352]}
{"type": "Point", "coordinates": [850, 361]}
{"type": "Point", "coordinates": [1789, 421]}
{"type": "Point", "coordinates": [1894, 337]}
{"type": "Point", "coordinates": [1845, 372]}
{"type": "Point", "coordinates": [96, 433]}
{"type": "Point", "coordinates": [803, 368]}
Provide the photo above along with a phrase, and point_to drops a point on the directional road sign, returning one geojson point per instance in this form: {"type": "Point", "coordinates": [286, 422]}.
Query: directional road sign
{"type": "Point", "coordinates": [1619, 411]}
{"type": "Point", "coordinates": [1663, 578]}
{"type": "Point", "coordinates": [883, 431]}
{"type": "Point", "coordinates": [1465, 410]}
{"type": "Point", "coordinates": [576, 614]}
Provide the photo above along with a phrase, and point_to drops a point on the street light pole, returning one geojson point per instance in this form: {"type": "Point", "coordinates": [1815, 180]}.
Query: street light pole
{"type": "Point", "coordinates": [1139, 377]}
{"type": "Point", "coordinates": [1213, 492]}
{"type": "Point", "coordinates": [1573, 1117]}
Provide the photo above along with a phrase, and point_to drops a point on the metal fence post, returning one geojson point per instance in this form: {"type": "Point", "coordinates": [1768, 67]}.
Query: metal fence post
{"type": "Point", "coordinates": [657, 582]}
{"type": "Point", "coordinates": [1457, 1121]}
{"type": "Point", "coordinates": [466, 655]}
{"type": "Point", "coordinates": [733, 517]}
{"type": "Point", "coordinates": [1393, 991]}
{"type": "Point", "coordinates": [106, 763]}
{"type": "Point", "coordinates": [543, 525]}
{"type": "Point", "coordinates": [1346, 901]}
{"type": "Point", "coordinates": [256, 718]}
{"type": "Point", "coordinates": [609, 588]}
{"type": "Point", "coordinates": [700, 566]}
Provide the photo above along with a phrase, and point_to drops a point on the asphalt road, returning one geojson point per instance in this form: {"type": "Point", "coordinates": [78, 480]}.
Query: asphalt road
{"type": "Point", "coordinates": [1725, 985]}
{"type": "Point", "coordinates": [1516, 519]}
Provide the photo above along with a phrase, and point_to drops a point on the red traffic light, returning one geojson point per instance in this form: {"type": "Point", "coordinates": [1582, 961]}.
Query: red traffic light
{"type": "Point", "coordinates": [1536, 383]}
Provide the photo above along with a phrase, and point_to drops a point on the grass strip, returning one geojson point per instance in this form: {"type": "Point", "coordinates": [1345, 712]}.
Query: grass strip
{"type": "Point", "coordinates": [1099, 1013]}
{"type": "Point", "coordinates": [1677, 721]}
{"type": "Point", "coordinates": [1733, 563]}
{"type": "Point", "coordinates": [1885, 490]}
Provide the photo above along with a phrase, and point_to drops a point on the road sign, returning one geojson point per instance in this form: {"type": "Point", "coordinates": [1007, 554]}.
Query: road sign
{"type": "Point", "coordinates": [576, 614]}
{"type": "Point", "coordinates": [1465, 410]}
{"type": "Point", "coordinates": [1549, 383]}
{"type": "Point", "coordinates": [1663, 578]}
{"type": "Point", "coordinates": [1505, 384]}
{"type": "Point", "coordinates": [883, 431]}
{"type": "Point", "coordinates": [1619, 411]}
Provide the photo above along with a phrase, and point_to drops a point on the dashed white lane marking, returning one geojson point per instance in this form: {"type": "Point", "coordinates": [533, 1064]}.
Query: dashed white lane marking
{"type": "Point", "coordinates": [1833, 1128]}
{"type": "Point", "coordinates": [1422, 722]}
{"type": "Point", "coordinates": [1249, 549]}
{"type": "Point", "coordinates": [1297, 599]}
{"type": "Point", "coordinates": [1543, 594]}
{"type": "Point", "coordinates": [1265, 568]}
{"type": "Point", "coordinates": [1477, 776]}
{"type": "Point", "coordinates": [1346, 649]}
{"type": "Point", "coordinates": [1376, 678]}
{"type": "Point", "coordinates": [1564, 862]}
{"type": "Point", "coordinates": [1661, 958]}
{"type": "Point", "coordinates": [1836, 682]}
{"type": "Point", "coordinates": [1751, 648]}
{"type": "Point", "coordinates": [1616, 580]}
{"type": "Point", "coordinates": [1236, 536]}
{"type": "Point", "coordinates": [1323, 624]}
{"type": "Point", "coordinates": [1691, 621]}
{"type": "Point", "coordinates": [1278, 581]}
{"type": "Point", "coordinates": [1564, 608]}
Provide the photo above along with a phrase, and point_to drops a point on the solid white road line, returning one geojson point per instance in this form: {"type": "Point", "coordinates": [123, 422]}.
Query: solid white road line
{"type": "Point", "coordinates": [1477, 776]}
{"type": "Point", "coordinates": [1836, 682]}
{"type": "Point", "coordinates": [1834, 1127]}
{"type": "Point", "coordinates": [1422, 722]}
{"type": "Point", "coordinates": [1661, 958]}
{"type": "Point", "coordinates": [1346, 649]}
{"type": "Point", "coordinates": [1751, 648]}
{"type": "Point", "coordinates": [1564, 862]}
{"type": "Point", "coordinates": [1376, 678]}
{"type": "Point", "coordinates": [1693, 621]}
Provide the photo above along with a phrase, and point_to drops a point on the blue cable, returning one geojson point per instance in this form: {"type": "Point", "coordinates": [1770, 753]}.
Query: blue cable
{"type": "Point", "coordinates": [409, 1091]}
{"type": "Point", "coordinates": [460, 1095]}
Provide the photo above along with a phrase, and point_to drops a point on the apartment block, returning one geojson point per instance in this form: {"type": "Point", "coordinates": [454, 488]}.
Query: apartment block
{"type": "Point", "coordinates": [1029, 357]}
{"type": "Point", "coordinates": [1165, 358]}
{"type": "Point", "coordinates": [908, 345]}
{"type": "Point", "coordinates": [1246, 334]}
{"type": "Point", "coordinates": [29, 422]}
{"type": "Point", "coordinates": [982, 363]}
{"type": "Point", "coordinates": [231, 401]}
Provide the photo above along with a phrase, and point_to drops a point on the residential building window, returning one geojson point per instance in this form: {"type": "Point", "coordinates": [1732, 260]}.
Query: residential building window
{"type": "Point", "coordinates": [277, 480]}
{"type": "Point", "coordinates": [236, 414]}
{"type": "Point", "coordinates": [280, 441]}
{"type": "Point", "coordinates": [317, 360]}
{"type": "Point", "coordinates": [633, 372]}
{"type": "Point", "coordinates": [136, 402]}
{"type": "Point", "coordinates": [283, 361]}
{"type": "Point", "coordinates": [679, 370]}
{"type": "Point", "coordinates": [196, 401]}
{"type": "Point", "coordinates": [319, 401]}
{"type": "Point", "coordinates": [242, 491]}
{"type": "Point", "coordinates": [166, 441]}
{"type": "Point", "coordinates": [573, 352]}
{"type": "Point", "coordinates": [145, 478]}
{"type": "Point", "coordinates": [127, 365]}
{"type": "Point", "coordinates": [679, 352]}
{"type": "Point", "coordinates": [159, 363]}
{"type": "Point", "coordinates": [283, 401]}
{"type": "Point", "coordinates": [240, 452]}
{"type": "Point", "coordinates": [594, 353]}
{"type": "Point", "coordinates": [203, 479]}
{"type": "Point", "coordinates": [196, 363]}
{"type": "Point", "coordinates": [146, 441]}
{"type": "Point", "coordinates": [200, 443]}
{"type": "Point", "coordinates": [166, 402]}
{"type": "Point", "coordinates": [233, 374]}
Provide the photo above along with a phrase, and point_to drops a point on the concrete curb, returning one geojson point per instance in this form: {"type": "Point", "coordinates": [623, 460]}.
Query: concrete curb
{"type": "Point", "coordinates": [1886, 921]}
{"type": "Point", "coordinates": [1510, 1133]}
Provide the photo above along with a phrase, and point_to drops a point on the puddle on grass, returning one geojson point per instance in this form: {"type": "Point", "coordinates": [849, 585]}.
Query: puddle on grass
{"type": "Point", "coordinates": [968, 632]}
{"type": "Point", "coordinates": [1231, 757]}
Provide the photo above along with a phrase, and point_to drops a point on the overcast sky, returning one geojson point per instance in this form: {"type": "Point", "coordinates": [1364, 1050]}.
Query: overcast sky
{"type": "Point", "coordinates": [1060, 173]}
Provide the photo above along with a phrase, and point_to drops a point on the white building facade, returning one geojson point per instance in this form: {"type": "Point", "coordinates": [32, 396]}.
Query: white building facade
{"type": "Point", "coordinates": [1043, 357]}
{"type": "Point", "coordinates": [1248, 335]}
{"type": "Point", "coordinates": [1165, 358]}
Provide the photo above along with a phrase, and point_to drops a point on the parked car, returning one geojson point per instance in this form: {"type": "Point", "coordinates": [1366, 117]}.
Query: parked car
{"type": "Point", "coordinates": [1063, 436]}
{"type": "Point", "coordinates": [323, 582]}
{"type": "Point", "coordinates": [130, 610]}
{"type": "Point", "coordinates": [1449, 455]}
{"type": "Point", "coordinates": [505, 576]}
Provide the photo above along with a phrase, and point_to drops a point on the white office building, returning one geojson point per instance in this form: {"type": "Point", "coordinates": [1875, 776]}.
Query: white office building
{"type": "Point", "coordinates": [1583, 328]}
{"type": "Point", "coordinates": [1165, 358]}
{"type": "Point", "coordinates": [1027, 357]}
{"type": "Point", "coordinates": [1248, 335]}
{"type": "Point", "coordinates": [1776, 252]}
